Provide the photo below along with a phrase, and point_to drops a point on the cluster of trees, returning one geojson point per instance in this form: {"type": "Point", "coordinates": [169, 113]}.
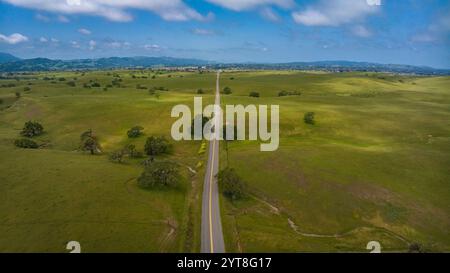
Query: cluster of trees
{"type": "Point", "coordinates": [231, 184]}
{"type": "Point", "coordinates": [160, 174]}
{"type": "Point", "coordinates": [254, 94]}
{"type": "Point", "coordinates": [284, 93]}
{"type": "Point", "coordinates": [129, 151]}
{"type": "Point", "coordinates": [30, 129]}
{"type": "Point", "coordinates": [8, 85]}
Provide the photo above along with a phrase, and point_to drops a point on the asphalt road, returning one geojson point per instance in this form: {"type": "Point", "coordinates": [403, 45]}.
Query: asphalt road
{"type": "Point", "coordinates": [212, 236]}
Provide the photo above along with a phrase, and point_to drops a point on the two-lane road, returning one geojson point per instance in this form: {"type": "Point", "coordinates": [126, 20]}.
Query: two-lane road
{"type": "Point", "coordinates": [212, 236]}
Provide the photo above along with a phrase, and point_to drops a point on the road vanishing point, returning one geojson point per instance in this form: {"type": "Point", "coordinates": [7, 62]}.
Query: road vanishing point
{"type": "Point", "coordinates": [211, 230]}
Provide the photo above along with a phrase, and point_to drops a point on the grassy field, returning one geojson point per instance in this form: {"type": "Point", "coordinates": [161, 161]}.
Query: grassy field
{"type": "Point", "coordinates": [373, 167]}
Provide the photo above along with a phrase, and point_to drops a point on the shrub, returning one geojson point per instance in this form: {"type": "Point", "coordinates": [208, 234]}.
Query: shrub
{"type": "Point", "coordinates": [26, 89]}
{"type": "Point", "coordinates": [159, 174]}
{"type": "Point", "coordinates": [200, 91]}
{"type": "Point", "coordinates": [18, 95]}
{"type": "Point", "coordinates": [26, 143]}
{"type": "Point", "coordinates": [254, 94]}
{"type": "Point", "coordinates": [96, 84]}
{"type": "Point", "coordinates": [227, 90]}
{"type": "Point", "coordinates": [116, 156]}
{"type": "Point", "coordinates": [71, 84]}
{"type": "Point", "coordinates": [309, 118]}
{"type": "Point", "coordinates": [231, 184]}
{"type": "Point", "coordinates": [135, 131]}
{"type": "Point", "coordinates": [156, 146]}
{"type": "Point", "coordinates": [61, 79]}
{"type": "Point", "coordinates": [32, 129]}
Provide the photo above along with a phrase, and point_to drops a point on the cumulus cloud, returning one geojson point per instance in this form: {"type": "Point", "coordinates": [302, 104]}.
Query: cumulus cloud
{"type": "Point", "coordinates": [335, 13]}
{"type": "Point", "coordinates": [84, 31]}
{"type": "Point", "coordinates": [269, 14]}
{"type": "Point", "coordinates": [361, 31]}
{"type": "Point", "coordinates": [13, 39]}
{"type": "Point", "coordinates": [239, 5]}
{"type": "Point", "coordinates": [115, 10]}
{"type": "Point", "coordinates": [43, 40]}
{"type": "Point", "coordinates": [203, 32]}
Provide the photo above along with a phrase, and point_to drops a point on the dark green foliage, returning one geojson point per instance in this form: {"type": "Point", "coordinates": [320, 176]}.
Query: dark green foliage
{"type": "Point", "coordinates": [18, 95]}
{"type": "Point", "coordinates": [131, 151]}
{"type": "Point", "coordinates": [284, 93]}
{"type": "Point", "coordinates": [309, 118]}
{"type": "Point", "coordinates": [156, 146]}
{"type": "Point", "coordinates": [89, 142]}
{"type": "Point", "coordinates": [416, 248]}
{"type": "Point", "coordinates": [200, 91]}
{"type": "Point", "coordinates": [26, 143]}
{"type": "Point", "coordinates": [135, 131]}
{"type": "Point", "coordinates": [96, 84]}
{"type": "Point", "coordinates": [159, 174]}
{"type": "Point", "coordinates": [61, 79]}
{"type": "Point", "coordinates": [231, 184]}
{"type": "Point", "coordinates": [227, 90]}
{"type": "Point", "coordinates": [71, 84]}
{"type": "Point", "coordinates": [32, 129]}
{"type": "Point", "coordinates": [26, 89]}
{"type": "Point", "coordinates": [254, 94]}
{"type": "Point", "coordinates": [117, 156]}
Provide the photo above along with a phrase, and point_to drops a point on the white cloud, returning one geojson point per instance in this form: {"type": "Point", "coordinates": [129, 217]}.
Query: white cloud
{"type": "Point", "coordinates": [152, 47]}
{"type": "Point", "coordinates": [54, 40]}
{"type": "Point", "coordinates": [84, 31]}
{"type": "Point", "coordinates": [204, 32]}
{"type": "Point", "coordinates": [361, 31]}
{"type": "Point", "coordinates": [42, 18]}
{"type": "Point", "coordinates": [75, 44]}
{"type": "Point", "coordinates": [115, 10]}
{"type": "Point", "coordinates": [269, 14]}
{"type": "Point", "coordinates": [43, 40]}
{"type": "Point", "coordinates": [92, 44]}
{"type": "Point", "coordinates": [63, 19]}
{"type": "Point", "coordinates": [13, 39]}
{"type": "Point", "coordinates": [239, 5]}
{"type": "Point", "coordinates": [335, 13]}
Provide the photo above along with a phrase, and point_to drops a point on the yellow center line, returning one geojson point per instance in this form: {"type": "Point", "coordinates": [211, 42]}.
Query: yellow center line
{"type": "Point", "coordinates": [210, 195]}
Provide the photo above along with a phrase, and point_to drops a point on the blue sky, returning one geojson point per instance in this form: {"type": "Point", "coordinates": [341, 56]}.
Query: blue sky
{"type": "Point", "coordinates": [413, 32]}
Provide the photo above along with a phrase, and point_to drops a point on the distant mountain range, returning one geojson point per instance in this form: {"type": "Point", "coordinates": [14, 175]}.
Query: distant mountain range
{"type": "Point", "coordinates": [5, 57]}
{"type": "Point", "coordinates": [10, 63]}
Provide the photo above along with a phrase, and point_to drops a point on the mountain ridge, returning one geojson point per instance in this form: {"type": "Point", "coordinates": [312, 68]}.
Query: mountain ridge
{"type": "Point", "coordinates": [11, 63]}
